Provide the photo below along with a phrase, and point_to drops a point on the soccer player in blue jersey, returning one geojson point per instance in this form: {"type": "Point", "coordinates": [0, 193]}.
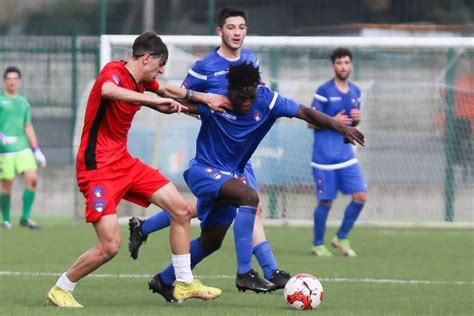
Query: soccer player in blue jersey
{"type": "Point", "coordinates": [218, 175]}
{"type": "Point", "coordinates": [209, 75]}
{"type": "Point", "coordinates": [335, 166]}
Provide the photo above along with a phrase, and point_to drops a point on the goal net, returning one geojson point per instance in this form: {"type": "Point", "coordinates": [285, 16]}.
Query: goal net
{"type": "Point", "coordinates": [418, 118]}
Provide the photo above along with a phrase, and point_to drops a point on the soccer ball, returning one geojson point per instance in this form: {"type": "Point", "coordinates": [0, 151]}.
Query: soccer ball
{"type": "Point", "coordinates": [303, 291]}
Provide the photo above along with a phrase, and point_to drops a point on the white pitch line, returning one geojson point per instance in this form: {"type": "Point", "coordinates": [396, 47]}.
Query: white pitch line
{"type": "Point", "coordinates": [330, 280]}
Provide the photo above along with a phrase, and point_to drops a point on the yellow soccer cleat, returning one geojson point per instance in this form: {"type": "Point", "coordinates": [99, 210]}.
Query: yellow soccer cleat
{"type": "Point", "coordinates": [344, 246]}
{"type": "Point", "coordinates": [62, 298]}
{"type": "Point", "coordinates": [183, 291]}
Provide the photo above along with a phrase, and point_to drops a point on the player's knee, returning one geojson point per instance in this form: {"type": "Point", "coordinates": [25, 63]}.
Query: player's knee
{"type": "Point", "coordinates": [184, 213]}
{"type": "Point", "coordinates": [360, 197]}
{"type": "Point", "coordinates": [250, 198]}
{"type": "Point", "coordinates": [32, 182]}
{"type": "Point", "coordinates": [110, 249]}
{"type": "Point", "coordinates": [211, 245]}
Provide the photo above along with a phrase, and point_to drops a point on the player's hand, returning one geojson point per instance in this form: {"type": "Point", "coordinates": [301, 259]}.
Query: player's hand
{"type": "Point", "coordinates": [217, 102]}
{"type": "Point", "coordinates": [174, 105]}
{"type": "Point", "coordinates": [353, 135]}
{"type": "Point", "coordinates": [165, 105]}
{"type": "Point", "coordinates": [7, 140]}
{"type": "Point", "coordinates": [39, 156]}
{"type": "Point", "coordinates": [355, 115]}
{"type": "Point", "coordinates": [343, 118]}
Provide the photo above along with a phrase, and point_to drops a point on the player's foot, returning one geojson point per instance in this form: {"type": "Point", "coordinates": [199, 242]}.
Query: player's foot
{"type": "Point", "coordinates": [29, 223]}
{"type": "Point", "coordinates": [321, 251]}
{"type": "Point", "coordinates": [345, 246]}
{"type": "Point", "coordinates": [7, 225]}
{"type": "Point", "coordinates": [280, 278]}
{"type": "Point", "coordinates": [156, 285]}
{"type": "Point", "coordinates": [136, 237]}
{"type": "Point", "coordinates": [183, 291]}
{"type": "Point", "coordinates": [251, 281]}
{"type": "Point", "coordinates": [62, 298]}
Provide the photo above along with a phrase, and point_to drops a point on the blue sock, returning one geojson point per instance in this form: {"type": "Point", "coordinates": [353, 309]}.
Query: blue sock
{"type": "Point", "coordinates": [243, 235]}
{"type": "Point", "coordinates": [320, 217]}
{"type": "Point", "coordinates": [350, 216]}
{"type": "Point", "coordinates": [197, 254]}
{"type": "Point", "coordinates": [158, 221]}
{"type": "Point", "coordinates": [264, 254]}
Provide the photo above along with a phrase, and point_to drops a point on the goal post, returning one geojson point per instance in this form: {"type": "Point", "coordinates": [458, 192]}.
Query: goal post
{"type": "Point", "coordinates": [410, 99]}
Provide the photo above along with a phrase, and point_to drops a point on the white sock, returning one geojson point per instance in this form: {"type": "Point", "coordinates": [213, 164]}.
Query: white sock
{"type": "Point", "coordinates": [182, 268]}
{"type": "Point", "coordinates": [65, 284]}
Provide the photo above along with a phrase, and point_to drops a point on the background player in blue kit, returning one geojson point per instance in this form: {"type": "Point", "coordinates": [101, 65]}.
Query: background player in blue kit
{"type": "Point", "coordinates": [335, 166]}
{"type": "Point", "coordinates": [218, 176]}
{"type": "Point", "coordinates": [210, 75]}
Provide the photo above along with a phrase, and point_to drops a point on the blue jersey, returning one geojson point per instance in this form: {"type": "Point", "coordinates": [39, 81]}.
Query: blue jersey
{"type": "Point", "coordinates": [329, 149]}
{"type": "Point", "coordinates": [210, 73]}
{"type": "Point", "coordinates": [227, 140]}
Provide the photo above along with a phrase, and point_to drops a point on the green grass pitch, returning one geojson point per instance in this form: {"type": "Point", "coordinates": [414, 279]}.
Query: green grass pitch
{"type": "Point", "coordinates": [397, 272]}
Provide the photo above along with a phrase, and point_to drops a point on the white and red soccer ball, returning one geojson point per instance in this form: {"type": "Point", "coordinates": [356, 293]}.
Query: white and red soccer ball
{"type": "Point", "coordinates": [304, 292]}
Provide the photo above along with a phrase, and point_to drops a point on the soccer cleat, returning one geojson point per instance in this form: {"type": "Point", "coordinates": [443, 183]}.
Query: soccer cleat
{"type": "Point", "coordinates": [156, 285]}
{"type": "Point", "coordinates": [29, 223]}
{"type": "Point", "coordinates": [62, 298]}
{"type": "Point", "coordinates": [183, 291]}
{"type": "Point", "coordinates": [251, 281]}
{"type": "Point", "coordinates": [136, 237]}
{"type": "Point", "coordinates": [7, 225]}
{"type": "Point", "coordinates": [280, 278]}
{"type": "Point", "coordinates": [321, 251]}
{"type": "Point", "coordinates": [344, 245]}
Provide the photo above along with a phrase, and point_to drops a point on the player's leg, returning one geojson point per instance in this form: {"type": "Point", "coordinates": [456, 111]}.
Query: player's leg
{"type": "Point", "coordinates": [140, 229]}
{"type": "Point", "coordinates": [7, 174]}
{"type": "Point", "coordinates": [235, 192]}
{"type": "Point", "coordinates": [352, 182]}
{"type": "Point", "coordinates": [31, 180]}
{"type": "Point", "coordinates": [6, 202]}
{"type": "Point", "coordinates": [181, 211]}
{"type": "Point", "coordinates": [326, 192]}
{"type": "Point", "coordinates": [208, 242]}
{"type": "Point", "coordinates": [108, 235]}
{"type": "Point", "coordinates": [25, 163]}
{"type": "Point", "coordinates": [261, 247]}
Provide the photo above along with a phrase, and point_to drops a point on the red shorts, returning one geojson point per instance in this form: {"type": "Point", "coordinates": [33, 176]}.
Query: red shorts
{"type": "Point", "coordinates": [129, 179]}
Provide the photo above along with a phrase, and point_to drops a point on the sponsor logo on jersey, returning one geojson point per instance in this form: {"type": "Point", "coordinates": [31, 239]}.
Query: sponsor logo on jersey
{"type": "Point", "coordinates": [220, 73]}
{"type": "Point", "coordinates": [99, 205]}
{"type": "Point", "coordinates": [216, 176]}
{"type": "Point", "coordinates": [98, 191]}
{"type": "Point", "coordinates": [229, 116]}
{"type": "Point", "coordinates": [334, 99]}
{"type": "Point", "coordinates": [243, 179]}
{"type": "Point", "coordinates": [116, 79]}
{"type": "Point", "coordinates": [257, 116]}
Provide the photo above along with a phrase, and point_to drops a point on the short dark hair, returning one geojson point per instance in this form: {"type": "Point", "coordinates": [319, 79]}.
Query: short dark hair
{"type": "Point", "coordinates": [243, 75]}
{"type": "Point", "coordinates": [227, 12]}
{"type": "Point", "coordinates": [10, 69]}
{"type": "Point", "coordinates": [149, 43]}
{"type": "Point", "coordinates": [339, 53]}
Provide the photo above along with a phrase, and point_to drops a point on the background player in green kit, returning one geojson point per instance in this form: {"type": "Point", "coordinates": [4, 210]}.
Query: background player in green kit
{"type": "Point", "coordinates": [19, 151]}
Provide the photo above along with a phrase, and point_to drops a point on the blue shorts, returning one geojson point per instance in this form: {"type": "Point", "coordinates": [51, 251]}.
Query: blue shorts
{"type": "Point", "coordinates": [348, 180]}
{"type": "Point", "coordinates": [205, 182]}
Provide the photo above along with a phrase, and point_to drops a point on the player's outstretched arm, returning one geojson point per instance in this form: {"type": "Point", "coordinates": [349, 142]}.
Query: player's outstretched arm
{"type": "Point", "coordinates": [216, 102]}
{"type": "Point", "coordinates": [320, 119]}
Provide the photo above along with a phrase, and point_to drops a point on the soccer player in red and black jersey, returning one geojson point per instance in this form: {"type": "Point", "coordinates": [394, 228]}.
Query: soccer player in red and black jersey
{"type": "Point", "coordinates": [107, 173]}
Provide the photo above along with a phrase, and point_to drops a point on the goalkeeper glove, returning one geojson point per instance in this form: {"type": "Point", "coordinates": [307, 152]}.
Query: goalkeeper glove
{"type": "Point", "coordinates": [40, 158]}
